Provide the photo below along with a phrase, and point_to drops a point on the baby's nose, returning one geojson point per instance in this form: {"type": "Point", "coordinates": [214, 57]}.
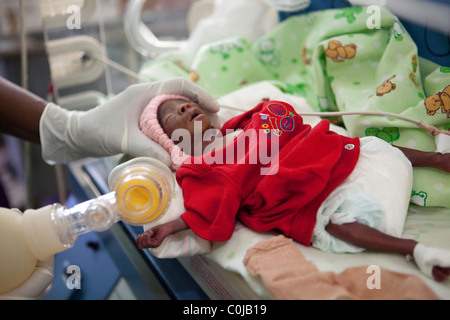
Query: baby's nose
{"type": "Point", "coordinates": [184, 107]}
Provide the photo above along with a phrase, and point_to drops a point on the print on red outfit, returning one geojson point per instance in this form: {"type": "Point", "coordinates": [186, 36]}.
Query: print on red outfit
{"type": "Point", "coordinates": [312, 162]}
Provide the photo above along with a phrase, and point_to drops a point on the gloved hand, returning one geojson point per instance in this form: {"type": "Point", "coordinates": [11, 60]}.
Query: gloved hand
{"type": "Point", "coordinates": [113, 127]}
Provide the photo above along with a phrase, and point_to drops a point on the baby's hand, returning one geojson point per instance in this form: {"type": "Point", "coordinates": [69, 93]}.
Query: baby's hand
{"type": "Point", "coordinates": [153, 237]}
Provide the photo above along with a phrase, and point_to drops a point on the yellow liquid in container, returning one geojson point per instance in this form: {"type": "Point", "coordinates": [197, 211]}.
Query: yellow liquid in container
{"type": "Point", "coordinates": [139, 197]}
{"type": "Point", "coordinates": [143, 190]}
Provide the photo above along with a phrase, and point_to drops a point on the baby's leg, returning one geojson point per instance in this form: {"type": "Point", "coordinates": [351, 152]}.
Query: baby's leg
{"type": "Point", "coordinates": [372, 239]}
{"type": "Point", "coordinates": [427, 159]}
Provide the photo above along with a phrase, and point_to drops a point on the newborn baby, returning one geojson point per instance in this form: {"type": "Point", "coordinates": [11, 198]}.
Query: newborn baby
{"type": "Point", "coordinates": [301, 196]}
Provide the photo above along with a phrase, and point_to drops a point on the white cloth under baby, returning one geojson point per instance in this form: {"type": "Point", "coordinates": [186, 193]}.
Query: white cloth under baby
{"type": "Point", "coordinates": [376, 194]}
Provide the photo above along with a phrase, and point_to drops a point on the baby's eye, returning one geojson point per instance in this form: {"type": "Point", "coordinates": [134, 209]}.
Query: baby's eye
{"type": "Point", "coordinates": [169, 117]}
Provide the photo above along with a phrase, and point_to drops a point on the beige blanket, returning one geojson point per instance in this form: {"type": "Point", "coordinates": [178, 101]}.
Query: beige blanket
{"type": "Point", "coordinates": [287, 274]}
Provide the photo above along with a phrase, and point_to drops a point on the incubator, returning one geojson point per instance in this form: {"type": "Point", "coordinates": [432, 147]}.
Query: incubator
{"type": "Point", "coordinates": [141, 191]}
{"type": "Point", "coordinates": [135, 199]}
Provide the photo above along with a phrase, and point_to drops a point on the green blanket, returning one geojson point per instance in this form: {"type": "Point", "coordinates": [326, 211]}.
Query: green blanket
{"type": "Point", "coordinates": [337, 60]}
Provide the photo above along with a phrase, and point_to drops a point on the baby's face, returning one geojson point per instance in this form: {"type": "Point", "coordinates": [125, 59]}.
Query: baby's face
{"type": "Point", "coordinates": [181, 114]}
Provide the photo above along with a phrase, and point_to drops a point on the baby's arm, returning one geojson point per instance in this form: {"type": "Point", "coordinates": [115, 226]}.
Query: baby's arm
{"type": "Point", "coordinates": [153, 237]}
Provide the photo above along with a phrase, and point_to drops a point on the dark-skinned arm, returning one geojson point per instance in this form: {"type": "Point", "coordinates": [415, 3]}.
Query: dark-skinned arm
{"type": "Point", "coordinates": [20, 111]}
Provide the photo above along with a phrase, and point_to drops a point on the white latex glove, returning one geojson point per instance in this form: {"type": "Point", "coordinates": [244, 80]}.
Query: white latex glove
{"type": "Point", "coordinates": [113, 127]}
{"type": "Point", "coordinates": [426, 258]}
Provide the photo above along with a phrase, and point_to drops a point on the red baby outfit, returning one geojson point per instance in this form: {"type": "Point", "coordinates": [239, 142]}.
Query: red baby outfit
{"type": "Point", "coordinates": [310, 164]}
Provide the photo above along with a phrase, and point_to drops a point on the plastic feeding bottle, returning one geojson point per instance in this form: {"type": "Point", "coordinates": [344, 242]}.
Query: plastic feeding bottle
{"type": "Point", "coordinates": [141, 191]}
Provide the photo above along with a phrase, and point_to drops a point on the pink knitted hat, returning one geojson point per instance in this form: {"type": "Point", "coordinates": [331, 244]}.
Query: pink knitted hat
{"type": "Point", "coordinates": [150, 126]}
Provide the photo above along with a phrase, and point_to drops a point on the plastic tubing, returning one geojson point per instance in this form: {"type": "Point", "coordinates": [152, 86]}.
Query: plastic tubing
{"type": "Point", "coordinates": [431, 129]}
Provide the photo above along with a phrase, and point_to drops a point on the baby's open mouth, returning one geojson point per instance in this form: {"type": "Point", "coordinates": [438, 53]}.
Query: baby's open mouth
{"type": "Point", "coordinates": [195, 115]}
